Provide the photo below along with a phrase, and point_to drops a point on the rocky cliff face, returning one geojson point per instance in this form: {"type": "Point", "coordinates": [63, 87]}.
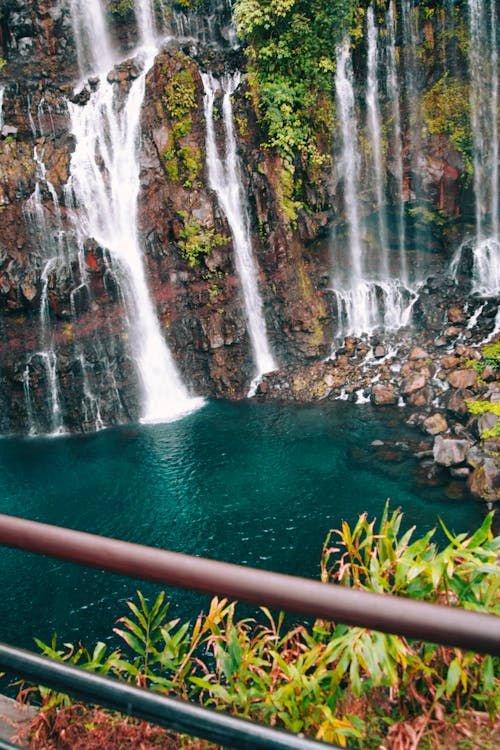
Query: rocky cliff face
{"type": "Point", "coordinates": [54, 291]}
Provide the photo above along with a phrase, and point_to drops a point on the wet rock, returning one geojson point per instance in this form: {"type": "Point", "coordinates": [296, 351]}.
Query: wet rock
{"type": "Point", "coordinates": [484, 482]}
{"type": "Point", "coordinates": [379, 352]}
{"type": "Point", "coordinates": [456, 402]}
{"type": "Point", "coordinates": [383, 394]}
{"type": "Point", "coordinates": [450, 361]}
{"type": "Point", "coordinates": [455, 314]}
{"type": "Point", "coordinates": [418, 353]}
{"type": "Point", "coordinates": [460, 472]}
{"type": "Point", "coordinates": [435, 424]}
{"type": "Point", "coordinates": [413, 383]}
{"type": "Point", "coordinates": [455, 490]}
{"type": "Point", "coordinates": [421, 398]}
{"type": "Point", "coordinates": [463, 378]}
{"type": "Point", "coordinates": [450, 451]}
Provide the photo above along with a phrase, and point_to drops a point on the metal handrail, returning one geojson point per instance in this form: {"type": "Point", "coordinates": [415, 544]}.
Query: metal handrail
{"type": "Point", "coordinates": [171, 713]}
{"type": "Point", "coordinates": [450, 626]}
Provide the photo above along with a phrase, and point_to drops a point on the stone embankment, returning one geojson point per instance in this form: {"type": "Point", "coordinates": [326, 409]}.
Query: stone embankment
{"type": "Point", "coordinates": [433, 375]}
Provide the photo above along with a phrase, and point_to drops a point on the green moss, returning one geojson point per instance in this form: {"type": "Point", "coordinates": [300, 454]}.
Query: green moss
{"type": "Point", "coordinates": [179, 94]}
{"type": "Point", "coordinates": [287, 188]}
{"type": "Point", "coordinates": [183, 162]}
{"type": "Point", "coordinates": [122, 8]}
{"type": "Point", "coordinates": [197, 241]}
{"type": "Point", "coordinates": [446, 109]}
{"type": "Point", "coordinates": [482, 407]}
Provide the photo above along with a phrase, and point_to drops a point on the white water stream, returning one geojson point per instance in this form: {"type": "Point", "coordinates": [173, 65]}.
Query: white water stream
{"type": "Point", "coordinates": [225, 180]}
{"type": "Point", "coordinates": [366, 297]}
{"type": "Point", "coordinates": [375, 133]}
{"type": "Point", "coordinates": [483, 63]}
{"type": "Point", "coordinates": [393, 93]}
{"type": "Point", "coordinates": [104, 179]}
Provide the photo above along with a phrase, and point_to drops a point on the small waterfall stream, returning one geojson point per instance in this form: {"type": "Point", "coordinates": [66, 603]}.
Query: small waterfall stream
{"type": "Point", "coordinates": [483, 57]}
{"type": "Point", "coordinates": [393, 93]}
{"type": "Point", "coordinates": [368, 296]}
{"type": "Point", "coordinates": [225, 180]}
{"type": "Point", "coordinates": [375, 132]}
{"type": "Point", "coordinates": [483, 63]}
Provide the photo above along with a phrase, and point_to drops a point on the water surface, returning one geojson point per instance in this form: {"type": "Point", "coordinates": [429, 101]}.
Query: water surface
{"type": "Point", "coordinates": [259, 484]}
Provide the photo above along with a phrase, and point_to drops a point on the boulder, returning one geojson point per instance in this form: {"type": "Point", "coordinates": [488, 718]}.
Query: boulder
{"type": "Point", "coordinates": [418, 353]}
{"type": "Point", "coordinates": [484, 482]}
{"type": "Point", "coordinates": [435, 424]}
{"type": "Point", "coordinates": [413, 383]}
{"type": "Point", "coordinates": [383, 393]}
{"type": "Point", "coordinates": [463, 378]}
{"type": "Point", "coordinates": [450, 451]}
{"type": "Point", "coordinates": [421, 398]}
{"type": "Point", "coordinates": [456, 402]}
{"type": "Point", "coordinates": [486, 421]}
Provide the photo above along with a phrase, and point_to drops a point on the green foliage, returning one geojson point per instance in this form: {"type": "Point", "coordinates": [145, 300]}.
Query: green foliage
{"type": "Point", "coordinates": [183, 162]}
{"type": "Point", "coordinates": [179, 94]}
{"type": "Point", "coordinates": [446, 109]}
{"type": "Point", "coordinates": [3, 63]}
{"type": "Point", "coordinates": [122, 8]}
{"type": "Point", "coordinates": [481, 407]}
{"type": "Point", "coordinates": [291, 52]}
{"type": "Point", "coordinates": [311, 680]}
{"type": "Point", "coordinates": [197, 241]}
{"type": "Point", "coordinates": [490, 357]}
{"type": "Point", "coordinates": [287, 187]}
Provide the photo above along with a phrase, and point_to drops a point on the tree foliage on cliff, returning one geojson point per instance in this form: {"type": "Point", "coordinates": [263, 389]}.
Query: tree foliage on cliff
{"type": "Point", "coordinates": [291, 51]}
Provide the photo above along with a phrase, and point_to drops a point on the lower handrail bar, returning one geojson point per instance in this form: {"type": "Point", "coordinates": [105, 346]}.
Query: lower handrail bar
{"type": "Point", "coordinates": [170, 713]}
{"type": "Point", "coordinates": [6, 745]}
{"type": "Point", "coordinates": [450, 626]}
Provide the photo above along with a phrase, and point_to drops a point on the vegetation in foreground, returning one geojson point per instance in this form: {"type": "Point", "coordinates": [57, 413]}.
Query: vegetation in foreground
{"type": "Point", "coordinates": [345, 685]}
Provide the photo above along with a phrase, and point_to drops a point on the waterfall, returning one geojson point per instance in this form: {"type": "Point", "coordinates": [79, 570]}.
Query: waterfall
{"type": "Point", "coordinates": [104, 181]}
{"type": "Point", "coordinates": [483, 63]}
{"type": "Point", "coordinates": [93, 45]}
{"type": "Point", "coordinates": [366, 297]}
{"type": "Point", "coordinates": [349, 160]}
{"type": "Point", "coordinates": [48, 357]}
{"type": "Point", "coordinates": [393, 93]}
{"type": "Point", "coordinates": [483, 58]}
{"type": "Point", "coordinates": [145, 22]}
{"type": "Point", "coordinates": [374, 130]}
{"type": "Point", "coordinates": [224, 178]}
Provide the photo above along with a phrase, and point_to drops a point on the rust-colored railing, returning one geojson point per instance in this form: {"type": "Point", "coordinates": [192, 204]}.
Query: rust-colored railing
{"type": "Point", "coordinates": [450, 626]}
{"type": "Point", "coordinates": [414, 619]}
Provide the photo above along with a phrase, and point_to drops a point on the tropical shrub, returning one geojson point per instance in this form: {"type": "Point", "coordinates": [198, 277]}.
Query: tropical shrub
{"type": "Point", "coordinates": [346, 685]}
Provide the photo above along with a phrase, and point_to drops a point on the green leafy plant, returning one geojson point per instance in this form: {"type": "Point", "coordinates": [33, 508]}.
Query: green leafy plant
{"type": "Point", "coordinates": [342, 684]}
{"type": "Point", "coordinates": [197, 241]}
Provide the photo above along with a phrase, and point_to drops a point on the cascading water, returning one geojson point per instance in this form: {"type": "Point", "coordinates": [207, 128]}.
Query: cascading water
{"type": "Point", "coordinates": [393, 94]}
{"type": "Point", "coordinates": [49, 235]}
{"type": "Point", "coordinates": [225, 180]}
{"type": "Point", "coordinates": [366, 296]}
{"type": "Point", "coordinates": [93, 44]}
{"type": "Point", "coordinates": [483, 63]}
{"type": "Point", "coordinates": [374, 131]}
{"type": "Point", "coordinates": [104, 180]}
{"type": "Point", "coordinates": [483, 58]}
